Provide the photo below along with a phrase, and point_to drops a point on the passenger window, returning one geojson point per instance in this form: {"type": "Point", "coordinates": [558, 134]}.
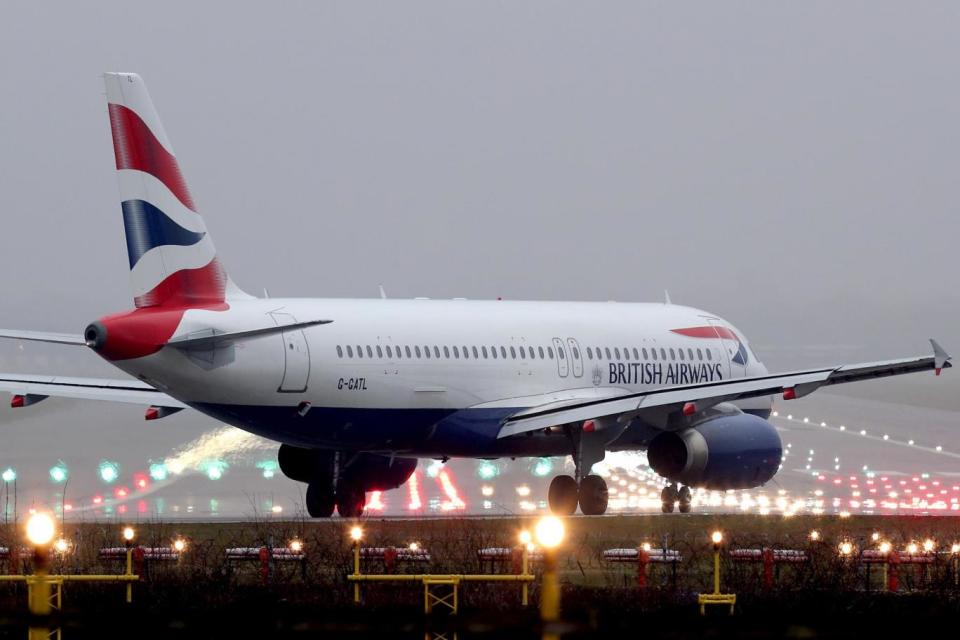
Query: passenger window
{"type": "Point", "coordinates": [389, 352]}
{"type": "Point", "coordinates": [709, 354]}
{"type": "Point", "coordinates": [349, 351]}
{"type": "Point", "coordinates": [513, 353]}
{"type": "Point", "coordinates": [436, 351]}
{"type": "Point", "coordinates": [540, 351]}
{"type": "Point", "coordinates": [589, 353]}
{"type": "Point", "coordinates": [339, 351]}
{"type": "Point", "coordinates": [446, 352]}
{"type": "Point", "coordinates": [466, 353]}
{"type": "Point", "coordinates": [663, 353]}
{"type": "Point", "coordinates": [690, 354]}
{"type": "Point", "coordinates": [379, 352]}
{"type": "Point", "coordinates": [407, 349]}
{"type": "Point", "coordinates": [419, 355]}
{"type": "Point", "coordinates": [681, 353]}
{"type": "Point", "coordinates": [550, 352]}
{"type": "Point", "coordinates": [653, 352]}
{"type": "Point", "coordinates": [359, 351]}
{"type": "Point", "coordinates": [560, 353]}
{"type": "Point", "coordinates": [699, 354]}
{"type": "Point", "coordinates": [503, 352]}
{"type": "Point", "coordinates": [576, 353]}
{"type": "Point", "coordinates": [369, 352]}
{"type": "Point", "coordinates": [477, 357]}
{"type": "Point", "coordinates": [523, 353]}
{"type": "Point", "coordinates": [607, 349]}
{"type": "Point", "coordinates": [456, 352]}
{"type": "Point", "coordinates": [493, 352]}
{"type": "Point", "coordinates": [636, 354]}
{"type": "Point", "coordinates": [644, 353]}
{"type": "Point", "coordinates": [616, 352]}
{"type": "Point", "coordinates": [672, 355]}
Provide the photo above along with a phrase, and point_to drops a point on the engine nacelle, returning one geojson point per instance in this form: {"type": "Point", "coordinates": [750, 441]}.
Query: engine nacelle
{"type": "Point", "coordinates": [366, 471]}
{"type": "Point", "coordinates": [737, 451]}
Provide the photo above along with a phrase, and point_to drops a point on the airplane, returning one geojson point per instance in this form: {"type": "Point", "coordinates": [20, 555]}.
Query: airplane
{"type": "Point", "coordinates": [356, 391]}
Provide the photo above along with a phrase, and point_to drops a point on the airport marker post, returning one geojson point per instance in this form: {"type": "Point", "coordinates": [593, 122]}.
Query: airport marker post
{"type": "Point", "coordinates": [716, 597]}
{"type": "Point", "coordinates": [356, 534]}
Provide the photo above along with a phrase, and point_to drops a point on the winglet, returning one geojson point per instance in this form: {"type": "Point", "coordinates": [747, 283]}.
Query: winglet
{"type": "Point", "coordinates": [941, 359]}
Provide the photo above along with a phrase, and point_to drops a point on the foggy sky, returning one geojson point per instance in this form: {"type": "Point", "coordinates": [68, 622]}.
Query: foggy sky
{"type": "Point", "coordinates": [791, 167]}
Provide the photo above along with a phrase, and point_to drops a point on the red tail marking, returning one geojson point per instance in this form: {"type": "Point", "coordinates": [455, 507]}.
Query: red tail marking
{"type": "Point", "coordinates": [152, 413]}
{"type": "Point", "coordinates": [188, 288]}
{"type": "Point", "coordinates": [17, 401]}
{"type": "Point", "coordinates": [135, 147]}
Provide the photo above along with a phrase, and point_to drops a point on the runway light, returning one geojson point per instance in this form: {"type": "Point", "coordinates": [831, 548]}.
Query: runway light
{"type": "Point", "coordinates": [912, 548]}
{"type": "Point", "coordinates": [59, 473]}
{"type": "Point", "coordinates": [543, 467]}
{"type": "Point", "coordinates": [929, 545]}
{"type": "Point", "coordinates": [875, 536]}
{"type": "Point", "coordinates": [356, 534]}
{"type": "Point", "coordinates": [296, 546]}
{"type": "Point", "coordinates": [40, 529]}
{"type": "Point", "coordinates": [158, 471]}
{"type": "Point", "coordinates": [129, 533]}
{"type": "Point", "coordinates": [179, 545]}
{"type": "Point", "coordinates": [9, 475]}
{"type": "Point", "coordinates": [414, 547]}
{"type": "Point", "coordinates": [487, 470]}
{"type": "Point", "coordinates": [109, 471]}
{"type": "Point", "coordinates": [955, 548]}
{"type": "Point", "coordinates": [815, 535]}
{"type": "Point", "coordinates": [646, 547]}
{"type": "Point", "coordinates": [716, 537]}
{"type": "Point", "coordinates": [268, 468]}
{"type": "Point", "coordinates": [525, 537]}
{"type": "Point", "coordinates": [61, 546]}
{"type": "Point", "coordinates": [549, 531]}
{"type": "Point", "coordinates": [885, 547]}
{"type": "Point", "coordinates": [846, 548]}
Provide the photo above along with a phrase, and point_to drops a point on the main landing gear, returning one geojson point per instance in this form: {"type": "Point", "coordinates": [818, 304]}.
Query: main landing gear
{"type": "Point", "coordinates": [589, 491]}
{"type": "Point", "coordinates": [671, 496]}
{"type": "Point", "coordinates": [321, 499]}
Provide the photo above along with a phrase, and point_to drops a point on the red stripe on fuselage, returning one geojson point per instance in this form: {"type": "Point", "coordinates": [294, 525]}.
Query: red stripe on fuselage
{"type": "Point", "coordinates": [188, 288]}
{"type": "Point", "coordinates": [135, 147]}
{"type": "Point", "coordinates": [707, 332]}
{"type": "Point", "coordinates": [142, 332]}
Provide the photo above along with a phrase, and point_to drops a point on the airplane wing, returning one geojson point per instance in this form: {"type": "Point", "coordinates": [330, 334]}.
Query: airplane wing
{"type": "Point", "coordinates": [33, 388]}
{"type": "Point", "coordinates": [663, 407]}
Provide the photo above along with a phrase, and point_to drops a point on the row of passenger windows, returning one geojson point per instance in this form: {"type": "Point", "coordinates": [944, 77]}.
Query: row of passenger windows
{"type": "Point", "coordinates": [525, 353]}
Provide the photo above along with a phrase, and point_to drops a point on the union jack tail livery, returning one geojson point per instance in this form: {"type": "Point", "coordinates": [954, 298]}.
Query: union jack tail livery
{"type": "Point", "coordinates": [172, 259]}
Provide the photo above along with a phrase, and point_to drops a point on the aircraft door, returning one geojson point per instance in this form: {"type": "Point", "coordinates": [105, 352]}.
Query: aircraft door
{"type": "Point", "coordinates": [296, 356]}
{"type": "Point", "coordinates": [576, 357]}
{"type": "Point", "coordinates": [563, 364]}
{"type": "Point", "coordinates": [729, 346]}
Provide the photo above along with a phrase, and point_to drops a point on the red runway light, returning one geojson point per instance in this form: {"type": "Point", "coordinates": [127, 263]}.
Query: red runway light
{"type": "Point", "coordinates": [453, 498]}
{"type": "Point", "coordinates": [413, 488]}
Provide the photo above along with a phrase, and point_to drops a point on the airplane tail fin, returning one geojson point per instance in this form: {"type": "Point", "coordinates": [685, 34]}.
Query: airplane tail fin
{"type": "Point", "coordinates": [172, 259]}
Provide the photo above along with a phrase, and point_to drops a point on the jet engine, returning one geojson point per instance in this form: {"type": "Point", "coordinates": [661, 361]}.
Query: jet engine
{"type": "Point", "coordinates": [733, 450]}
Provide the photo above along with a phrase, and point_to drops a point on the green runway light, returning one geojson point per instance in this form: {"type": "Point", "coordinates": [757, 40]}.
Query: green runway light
{"type": "Point", "coordinates": [109, 471]}
{"type": "Point", "coordinates": [213, 468]}
{"type": "Point", "coordinates": [58, 472]}
{"type": "Point", "coordinates": [9, 475]}
{"type": "Point", "coordinates": [542, 467]}
{"type": "Point", "coordinates": [487, 470]}
{"type": "Point", "coordinates": [158, 471]}
{"type": "Point", "coordinates": [269, 467]}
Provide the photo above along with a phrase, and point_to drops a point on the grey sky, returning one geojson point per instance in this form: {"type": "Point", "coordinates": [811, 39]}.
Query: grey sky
{"type": "Point", "coordinates": [790, 166]}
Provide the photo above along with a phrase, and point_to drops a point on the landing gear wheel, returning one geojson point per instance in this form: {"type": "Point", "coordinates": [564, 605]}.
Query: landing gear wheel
{"type": "Point", "coordinates": [685, 499]}
{"type": "Point", "coordinates": [319, 500]}
{"type": "Point", "coordinates": [593, 496]}
{"type": "Point", "coordinates": [668, 497]}
{"type": "Point", "coordinates": [350, 502]}
{"type": "Point", "coordinates": [563, 495]}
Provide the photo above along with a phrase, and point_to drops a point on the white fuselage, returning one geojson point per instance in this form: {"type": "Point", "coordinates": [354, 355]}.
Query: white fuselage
{"type": "Point", "coordinates": [425, 375]}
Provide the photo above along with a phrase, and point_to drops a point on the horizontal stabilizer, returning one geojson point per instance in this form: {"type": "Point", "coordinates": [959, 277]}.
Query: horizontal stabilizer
{"type": "Point", "coordinates": [129, 391]}
{"type": "Point", "coordinates": [209, 337]}
{"type": "Point", "coordinates": [43, 336]}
